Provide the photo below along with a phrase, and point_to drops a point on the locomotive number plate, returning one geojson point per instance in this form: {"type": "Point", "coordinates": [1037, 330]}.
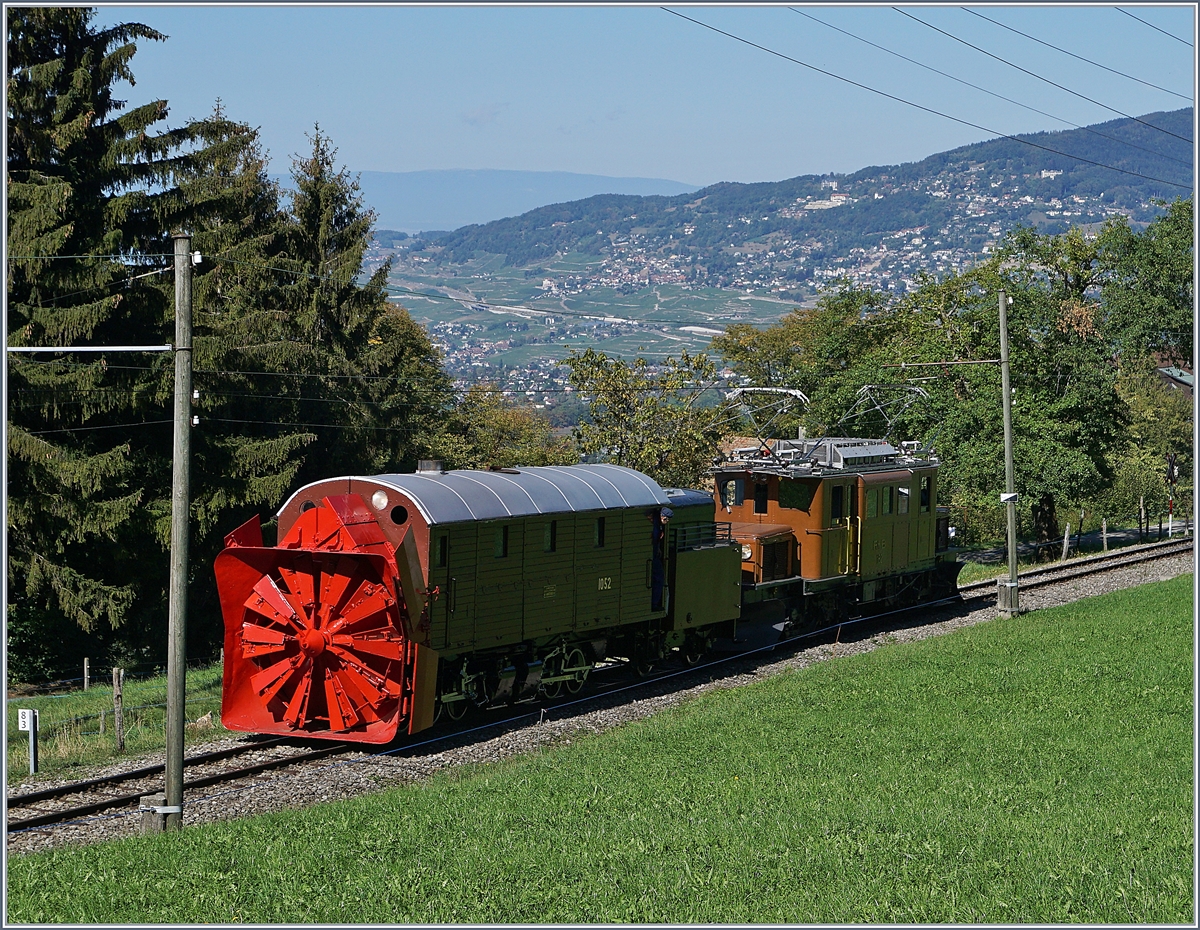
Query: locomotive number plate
{"type": "Point", "coordinates": [549, 590]}
{"type": "Point", "coordinates": [604, 584]}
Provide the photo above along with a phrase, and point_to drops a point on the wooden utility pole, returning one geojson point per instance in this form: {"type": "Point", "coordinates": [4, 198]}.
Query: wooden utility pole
{"type": "Point", "coordinates": [180, 475]}
{"type": "Point", "coordinates": [1008, 599]}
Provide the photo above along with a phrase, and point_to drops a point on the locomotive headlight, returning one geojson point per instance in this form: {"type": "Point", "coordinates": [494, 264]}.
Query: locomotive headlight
{"type": "Point", "coordinates": [379, 500]}
{"type": "Point", "coordinates": [746, 553]}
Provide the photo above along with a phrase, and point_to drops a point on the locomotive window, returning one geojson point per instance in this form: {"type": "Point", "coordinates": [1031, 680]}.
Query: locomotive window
{"type": "Point", "coordinates": [501, 542]}
{"type": "Point", "coordinates": [837, 502]}
{"type": "Point", "coordinates": [902, 499]}
{"type": "Point", "coordinates": [731, 492]}
{"type": "Point", "coordinates": [443, 550]}
{"type": "Point", "coordinates": [925, 488]}
{"type": "Point", "coordinates": [550, 537]}
{"type": "Point", "coordinates": [886, 496]}
{"type": "Point", "coordinates": [796, 495]}
{"type": "Point", "coordinates": [760, 498]}
{"type": "Point", "coordinates": [307, 506]}
{"type": "Point", "coordinates": [399, 514]}
{"type": "Point", "coordinates": [873, 502]}
{"type": "Point", "coordinates": [598, 537]}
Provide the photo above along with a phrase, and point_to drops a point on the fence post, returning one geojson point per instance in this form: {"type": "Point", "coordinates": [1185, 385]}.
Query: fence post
{"type": "Point", "coordinates": [118, 709]}
{"type": "Point", "coordinates": [1066, 541]}
{"type": "Point", "coordinates": [1104, 533]}
{"type": "Point", "coordinates": [1141, 519]}
{"type": "Point", "coordinates": [87, 674]}
{"type": "Point", "coordinates": [103, 714]}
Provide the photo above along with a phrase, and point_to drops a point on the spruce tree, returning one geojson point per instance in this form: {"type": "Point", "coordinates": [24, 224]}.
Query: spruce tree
{"type": "Point", "coordinates": [372, 384]}
{"type": "Point", "coordinates": [93, 196]}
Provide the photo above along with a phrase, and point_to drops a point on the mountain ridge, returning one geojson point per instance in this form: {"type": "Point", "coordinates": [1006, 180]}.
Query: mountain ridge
{"type": "Point", "coordinates": [813, 223]}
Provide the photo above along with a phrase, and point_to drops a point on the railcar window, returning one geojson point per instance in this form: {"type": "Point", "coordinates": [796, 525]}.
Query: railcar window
{"type": "Point", "coordinates": [796, 495]}
{"type": "Point", "coordinates": [925, 488]}
{"type": "Point", "coordinates": [902, 499]}
{"type": "Point", "coordinates": [550, 537]}
{"type": "Point", "coordinates": [501, 542]}
{"type": "Point", "coordinates": [887, 496]}
{"type": "Point", "coordinates": [598, 536]}
{"type": "Point", "coordinates": [837, 502]}
{"type": "Point", "coordinates": [443, 551]}
{"type": "Point", "coordinates": [731, 492]}
{"type": "Point", "coordinates": [873, 502]}
{"type": "Point", "coordinates": [760, 498]}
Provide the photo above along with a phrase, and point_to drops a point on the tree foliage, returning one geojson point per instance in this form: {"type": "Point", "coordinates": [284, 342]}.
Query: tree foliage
{"type": "Point", "coordinates": [304, 369]}
{"type": "Point", "coordinates": [652, 418]}
{"type": "Point", "coordinates": [1148, 291]}
{"type": "Point", "coordinates": [1080, 323]}
{"type": "Point", "coordinates": [486, 430]}
{"type": "Point", "coordinates": [93, 195]}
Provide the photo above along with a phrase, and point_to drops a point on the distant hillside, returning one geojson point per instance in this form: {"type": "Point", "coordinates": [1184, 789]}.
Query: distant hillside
{"type": "Point", "coordinates": [412, 201]}
{"type": "Point", "coordinates": [963, 199]}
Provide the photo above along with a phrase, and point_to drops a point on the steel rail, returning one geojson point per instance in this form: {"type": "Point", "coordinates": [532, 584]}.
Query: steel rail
{"type": "Point", "coordinates": [95, 807]}
{"type": "Point", "coordinates": [976, 590]}
{"type": "Point", "coordinates": [49, 794]}
{"type": "Point", "coordinates": [1089, 565]}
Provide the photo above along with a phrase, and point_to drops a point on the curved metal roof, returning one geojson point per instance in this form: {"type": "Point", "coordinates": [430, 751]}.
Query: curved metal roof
{"type": "Point", "coordinates": [454, 496]}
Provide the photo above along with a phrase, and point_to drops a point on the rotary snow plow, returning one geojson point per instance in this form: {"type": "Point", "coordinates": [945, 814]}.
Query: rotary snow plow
{"type": "Point", "coordinates": [319, 630]}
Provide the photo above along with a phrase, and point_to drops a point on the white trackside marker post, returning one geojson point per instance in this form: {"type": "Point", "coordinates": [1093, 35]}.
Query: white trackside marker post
{"type": "Point", "coordinates": [28, 720]}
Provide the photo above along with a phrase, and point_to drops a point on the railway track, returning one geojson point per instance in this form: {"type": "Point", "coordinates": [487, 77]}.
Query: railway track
{"type": "Point", "coordinates": [61, 804]}
{"type": "Point", "coordinates": [55, 805]}
{"type": "Point", "coordinates": [1079, 568]}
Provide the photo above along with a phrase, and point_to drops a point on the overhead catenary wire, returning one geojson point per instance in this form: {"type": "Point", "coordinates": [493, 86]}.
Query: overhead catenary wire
{"type": "Point", "coordinates": [1073, 55]}
{"type": "Point", "coordinates": [1039, 77]}
{"type": "Point", "coordinates": [1024, 106]}
{"type": "Point", "coordinates": [1154, 27]}
{"type": "Point", "coordinates": [919, 106]}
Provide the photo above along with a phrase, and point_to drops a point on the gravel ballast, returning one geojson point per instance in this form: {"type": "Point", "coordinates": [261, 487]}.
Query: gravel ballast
{"type": "Point", "coordinates": [353, 774]}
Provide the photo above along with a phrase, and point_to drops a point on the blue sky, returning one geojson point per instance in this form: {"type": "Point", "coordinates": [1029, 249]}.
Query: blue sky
{"type": "Point", "coordinates": [639, 92]}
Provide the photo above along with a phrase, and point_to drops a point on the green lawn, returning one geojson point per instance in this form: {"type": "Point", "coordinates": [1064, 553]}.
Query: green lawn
{"type": "Point", "coordinates": [1037, 769]}
{"type": "Point", "coordinates": [69, 723]}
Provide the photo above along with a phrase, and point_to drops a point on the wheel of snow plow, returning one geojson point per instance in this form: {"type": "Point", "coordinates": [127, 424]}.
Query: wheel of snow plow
{"type": "Point", "coordinates": [322, 632]}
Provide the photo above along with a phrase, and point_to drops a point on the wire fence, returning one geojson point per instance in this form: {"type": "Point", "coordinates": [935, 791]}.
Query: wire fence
{"type": "Point", "coordinates": [67, 685]}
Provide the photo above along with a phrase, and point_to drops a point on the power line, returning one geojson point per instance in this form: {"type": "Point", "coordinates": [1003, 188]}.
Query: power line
{"type": "Point", "coordinates": [121, 258]}
{"type": "Point", "coordinates": [1073, 55]}
{"type": "Point", "coordinates": [81, 429]}
{"type": "Point", "coordinates": [804, 64]}
{"type": "Point", "coordinates": [1154, 27]}
{"type": "Point", "coordinates": [377, 429]}
{"type": "Point", "coordinates": [1040, 78]}
{"type": "Point", "coordinates": [1023, 106]}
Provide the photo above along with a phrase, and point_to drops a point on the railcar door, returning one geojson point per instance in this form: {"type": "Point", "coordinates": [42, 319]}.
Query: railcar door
{"type": "Point", "coordinates": [838, 538]}
{"type": "Point", "coordinates": [452, 571]}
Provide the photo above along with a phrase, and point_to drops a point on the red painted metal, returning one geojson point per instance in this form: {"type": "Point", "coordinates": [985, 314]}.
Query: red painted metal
{"type": "Point", "coordinates": [317, 638]}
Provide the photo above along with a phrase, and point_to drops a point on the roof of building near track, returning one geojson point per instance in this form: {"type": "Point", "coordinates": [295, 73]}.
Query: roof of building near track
{"type": "Point", "coordinates": [454, 496]}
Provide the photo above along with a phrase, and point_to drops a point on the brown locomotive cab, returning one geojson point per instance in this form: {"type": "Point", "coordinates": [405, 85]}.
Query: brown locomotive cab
{"type": "Point", "coordinates": [857, 516]}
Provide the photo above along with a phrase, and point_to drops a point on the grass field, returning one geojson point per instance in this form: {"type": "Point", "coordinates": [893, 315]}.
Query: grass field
{"type": "Point", "coordinates": [1037, 769]}
{"type": "Point", "coordinates": [69, 723]}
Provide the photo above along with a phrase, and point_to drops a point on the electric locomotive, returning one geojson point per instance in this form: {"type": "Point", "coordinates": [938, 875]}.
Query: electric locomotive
{"type": "Point", "coordinates": [836, 529]}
